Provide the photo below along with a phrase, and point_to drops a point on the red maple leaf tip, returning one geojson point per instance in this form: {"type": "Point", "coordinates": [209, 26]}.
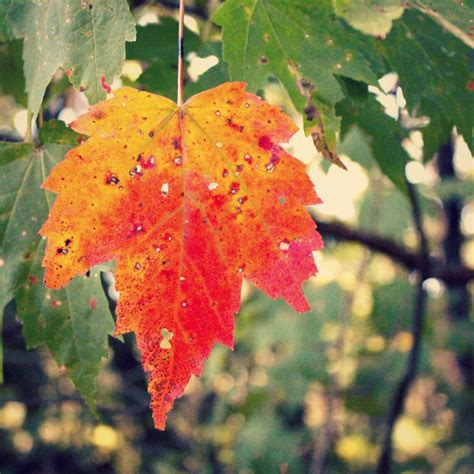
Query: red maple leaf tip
{"type": "Point", "coordinates": [187, 201]}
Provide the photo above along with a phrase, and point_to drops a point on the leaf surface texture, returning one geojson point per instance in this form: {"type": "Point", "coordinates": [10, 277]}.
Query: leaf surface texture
{"type": "Point", "coordinates": [187, 201]}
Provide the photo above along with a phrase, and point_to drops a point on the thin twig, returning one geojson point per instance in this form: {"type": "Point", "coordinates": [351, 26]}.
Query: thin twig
{"type": "Point", "coordinates": [411, 369]}
{"type": "Point", "coordinates": [193, 10]}
{"type": "Point", "coordinates": [179, 99]}
{"type": "Point", "coordinates": [418, 221]}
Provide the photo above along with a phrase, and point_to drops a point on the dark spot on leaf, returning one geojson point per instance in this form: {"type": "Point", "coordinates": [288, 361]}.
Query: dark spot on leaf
{"type": "Point", "coordinates": [149, 163]}
{"type": "Point", "coordinates": [136, 171]}
{"type": "Point", "coordinates": [265, 142]}
{"type": "Point", "coordinates": [33, 279]}
{"type": "Point", "coordinates": [137, 229]}
{"type": "Point", "coordinates": [234, 188]}
{"type": "Point", "coordinates": [111, 178]}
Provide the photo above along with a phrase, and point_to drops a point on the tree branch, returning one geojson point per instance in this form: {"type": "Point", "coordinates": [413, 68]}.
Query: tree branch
{"type": "Point", "coordinates": [411, 260]}
{"type": "Point", "coordinates": [398, 403]}
{"type": "Point", "coordinates": [459, 301]}
{"type": "Point", "coordinates": [411, 369]}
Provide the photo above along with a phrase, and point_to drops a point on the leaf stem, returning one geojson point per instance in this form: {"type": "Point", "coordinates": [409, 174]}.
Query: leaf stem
{"type": "Point", "coordinates": [179, 99]}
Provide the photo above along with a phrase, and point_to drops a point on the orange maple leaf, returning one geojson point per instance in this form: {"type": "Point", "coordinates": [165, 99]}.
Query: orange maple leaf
{"type": "Point", "coordinates": [187, 201]}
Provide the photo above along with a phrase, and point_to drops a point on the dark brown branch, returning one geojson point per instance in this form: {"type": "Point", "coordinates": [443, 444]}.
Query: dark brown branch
{"type": "Point", "coordinates": [459, 301]}
{"type": "Point", "coordinates": [411, 260]}
{"type": "Point", "coordinates": [412, 364]}
{"type": "Point", "coordinates": [398, 403]}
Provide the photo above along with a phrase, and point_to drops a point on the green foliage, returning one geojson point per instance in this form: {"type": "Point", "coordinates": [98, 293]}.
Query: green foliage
{"type": "Point", "coordinates": [376, 17]}
{"type": "Point", "coordinates": [455, 17]}
{"type": "Point", "coordinates": [12, 83]}
{"type": "Point", "coordinates": [384, 203]}
{"type": "Point", "coordinates": [301, 44]}
{"type": "Point", "coordinates": [56, 131]}
{"type": "Point", "coordinates": [381, 131]}
{"type": "Point", "coordinates": [159, 57]}
{"type": "Point", "coordinates": [390, 313]}
{"type": "Point", "coordinates": [24, 208]}
{"type": "Point", "coordinates": [215, 75]}
{"type": "Point", "coordinates": [74, 322]}
{"type": "Point", "coordinates": [370, 17]}
{"type": "Point", "coordinates": [427, 58]}
{"type": "Point", "coordinates": [159, 42]}
{"type": "Point", "coordinates": [259, 42]}
{"type": "Point", "coordinates": [86, 38]}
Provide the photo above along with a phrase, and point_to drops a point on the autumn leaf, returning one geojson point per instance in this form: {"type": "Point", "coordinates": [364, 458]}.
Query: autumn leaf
{"type": "Point", "coordinates": [187, 201]}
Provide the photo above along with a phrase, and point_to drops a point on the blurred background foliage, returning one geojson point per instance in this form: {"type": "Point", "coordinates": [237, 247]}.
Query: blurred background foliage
{"type": "Point", "coordinates": [299, 393]}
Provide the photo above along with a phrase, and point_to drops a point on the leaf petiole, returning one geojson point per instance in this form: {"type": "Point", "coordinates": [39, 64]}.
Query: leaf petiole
{"type": "Point", "coordinates": [179, 99]}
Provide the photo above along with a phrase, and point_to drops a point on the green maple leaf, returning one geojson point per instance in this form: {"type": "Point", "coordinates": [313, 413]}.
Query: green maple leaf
{"type": "Point", "coordinates": [305, 46]}
{"type": "Point", "coordinates": [74, 322]}
{"type": "Point", "coordinates": [375, 17]}
{"type": "Point", "coordinates": [85, 38]}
